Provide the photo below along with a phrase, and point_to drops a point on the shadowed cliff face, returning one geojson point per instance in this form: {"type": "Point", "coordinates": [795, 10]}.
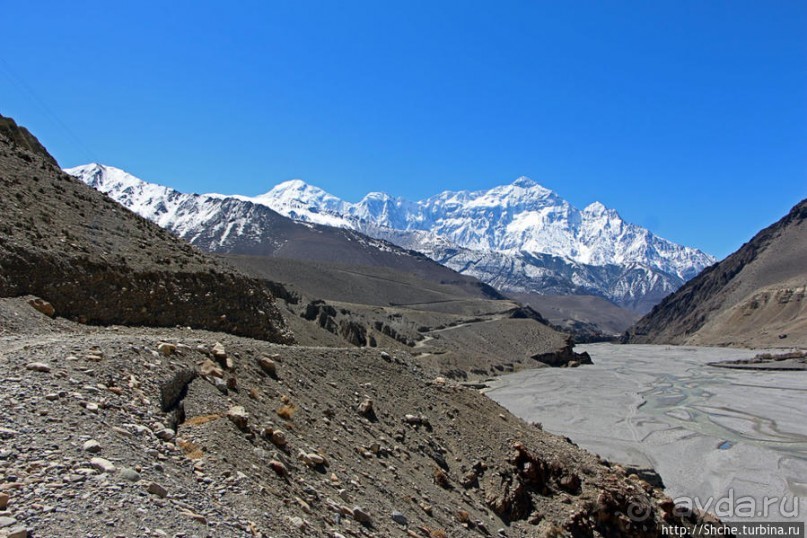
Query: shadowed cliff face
{"type": "Point", "coordinates": [756, 296]}
{"type": "Point", "coordinates": [99, 263]}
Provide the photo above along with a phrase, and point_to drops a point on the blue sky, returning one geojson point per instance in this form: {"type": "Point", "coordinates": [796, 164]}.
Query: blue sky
{"type": "Point", "coordinates": [688, 117]}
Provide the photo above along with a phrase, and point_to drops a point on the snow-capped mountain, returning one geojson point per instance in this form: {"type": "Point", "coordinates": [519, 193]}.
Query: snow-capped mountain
{"type": "Point", "coordinates": [519, 237]}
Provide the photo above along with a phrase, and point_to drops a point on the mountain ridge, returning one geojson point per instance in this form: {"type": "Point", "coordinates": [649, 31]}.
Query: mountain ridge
{"type": "Point", "coordinates": [520, 238]}
{"type": "Point", "coordinates": [755, 297]}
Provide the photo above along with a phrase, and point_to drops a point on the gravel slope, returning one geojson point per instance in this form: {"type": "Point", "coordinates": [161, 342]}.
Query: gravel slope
{"type": "Point", "coordinates": [431, 459]}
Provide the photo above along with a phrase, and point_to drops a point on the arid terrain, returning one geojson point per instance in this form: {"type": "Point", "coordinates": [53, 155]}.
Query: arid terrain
{"type": "Point", "coordinates": [150, 390]}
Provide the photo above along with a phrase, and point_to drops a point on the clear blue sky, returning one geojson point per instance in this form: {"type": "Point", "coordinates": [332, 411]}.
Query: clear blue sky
{"type": "Point", "coordinates": [687, 116]}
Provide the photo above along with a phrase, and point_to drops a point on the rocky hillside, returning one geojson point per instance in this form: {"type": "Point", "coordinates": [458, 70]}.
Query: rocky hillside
{"type": "Point", "coordinates": [755, 297]}
{"type": "Point", "coordinates": [172, 432]}
{"type": "Point", "coordinates": [100, 264]}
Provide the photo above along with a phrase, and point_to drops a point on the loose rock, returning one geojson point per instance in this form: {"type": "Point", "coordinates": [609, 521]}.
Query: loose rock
{"type": "Point", "coordinates": [218, 351]}
{"type": "Point", "coordinates": [92, 446]}
{"type": "Point", "coordinates": [239, 416]}
{"type": "Point", "coordinates": [362, 516]}
{"type": "Point", "coordinates": [103, 465]}
{"type": "Point", "coordinates": [210, 369]}
{"type": "Point", "coordinates": [268, 366]}
{"type": "Point", "coordinates": [166, 349]}
{"type": "Point", "coordinates": [278, 467]}
{"type": "Point", "coordinates": [156, 489]}
{"type": "Point", "coordinates": [129, 474]}
{"type": "Point", "coordinates": [43, 306]}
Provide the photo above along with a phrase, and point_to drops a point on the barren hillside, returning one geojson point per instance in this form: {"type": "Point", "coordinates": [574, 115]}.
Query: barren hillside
{"type": "Point", "coordinates": [99, 263]}
{"type": "Point", "coordinates": [755, 297]}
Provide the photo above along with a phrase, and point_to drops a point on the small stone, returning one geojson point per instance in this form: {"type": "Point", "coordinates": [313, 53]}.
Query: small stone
{"type": "Point", "coordinates": [218, 351]}
{"type": "Point", "coordinates": [7, 433]}
{"type": "Point", "coordinates": [316, 459]}
{"type": "Point", "coordinates": [6, 521]}
{"type": "Point", "coordinates": [4, 497]}
{"type": "Point", "coordinates": [127, 473]}
{"type": "Point", "coordinates": [199, 518]}
{"type": "Point", "coordinates": [38, 367]}
{"type": "Point", "coordinates": [92, 407]}
{"type": "Point", "coordinates": [156, 489]}
{"type": "Point", "coordinates": [399, 518]}
{"type": "Point", "coordinates": [167, 434]}
{"type": "Point", "coordinates": [16, 532]}
{"type": "Point", "coordinates": [361, 516]}
{"type": "Point", "coordinates": [366, 408]}
{"type": "Point", "coordinates": [268, 366]}
{"type": "Point", "coordinates": [52, 397]}
{"type": "Point", "coordinates": [43, 306]}
{"type": "Point", "coordinates": [92, 446]}
{"type": "Point", "coordinates": [210, 369]}
{"type": "Point", "coordinates": [220, 384]}
{"type": "Point", "coordinates": [239, 416]}
{"type": "Point", "coordinates": [386, 356]}
{"type": "Point", "coordinates": [278, 467]}
{"type": "Point", "coordinates": [232, 383]}
{"type": "Point", "coordinates": [298, 523]}
{"type": "Point", "coordinates": [166, 349]}
{"type": "Point", "coordinates": [279, 438]}
{"type": "Point", "coordinates": [105, 466]}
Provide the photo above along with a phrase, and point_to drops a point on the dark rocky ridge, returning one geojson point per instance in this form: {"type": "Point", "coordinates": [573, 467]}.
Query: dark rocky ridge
{"type": "Point", "coordinates": [773, 260]}
{"type": "Point", "coordinates": [100, 264]}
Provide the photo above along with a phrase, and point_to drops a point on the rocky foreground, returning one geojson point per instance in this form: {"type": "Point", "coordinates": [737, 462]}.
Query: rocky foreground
{"type": "Point", "coordinates": [173, 432]}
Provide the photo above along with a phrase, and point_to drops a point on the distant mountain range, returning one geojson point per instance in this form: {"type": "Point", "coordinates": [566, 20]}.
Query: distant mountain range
{"type": "Point", "coordinates": [519, 238]}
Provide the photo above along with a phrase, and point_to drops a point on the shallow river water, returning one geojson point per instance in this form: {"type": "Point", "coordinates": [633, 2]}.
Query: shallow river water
{"type": "Point", "coordinates": [726, 440]}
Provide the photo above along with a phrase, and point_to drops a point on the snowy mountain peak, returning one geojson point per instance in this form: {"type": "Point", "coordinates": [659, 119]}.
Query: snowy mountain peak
{"type": "Point", "coordinates": [99, 175]}
{"type": "Point", "coordinates": [296, 188]}
{"type": "Point", "coordinates": [300, 201]}
{"type": "Point", "coordinates": [525, 183]}
{"type": "Point", "coordinates": [377, 197]}
{"type": "Point", "coordinates": [596, 208]}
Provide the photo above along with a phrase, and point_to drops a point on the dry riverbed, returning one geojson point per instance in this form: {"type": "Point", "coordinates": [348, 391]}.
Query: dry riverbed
{"type": "Point", "coordinates": [710, 432]}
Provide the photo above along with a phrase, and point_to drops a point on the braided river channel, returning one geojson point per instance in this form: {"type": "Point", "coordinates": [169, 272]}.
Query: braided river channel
{"type": "Point", "coordinates": [731, 441]}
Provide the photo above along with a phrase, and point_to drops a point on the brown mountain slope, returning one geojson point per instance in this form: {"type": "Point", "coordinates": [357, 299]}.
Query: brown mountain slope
{"type": "Point", "coordinates": [755, 297]}
{"type": "Point", "coordinates": [99, 263]}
